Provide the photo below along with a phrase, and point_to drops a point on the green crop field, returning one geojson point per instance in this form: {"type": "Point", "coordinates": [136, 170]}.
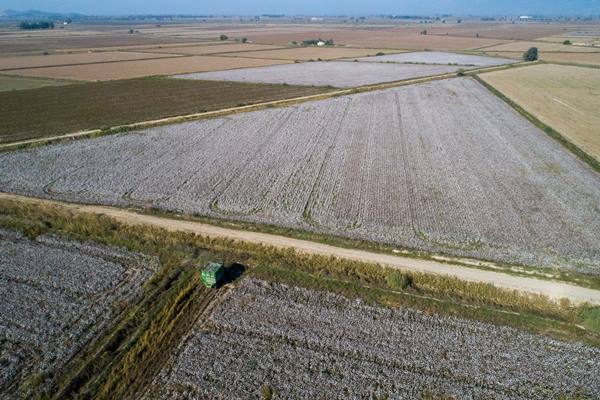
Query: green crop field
{"type": "Point", "coordinates": [9, 83]}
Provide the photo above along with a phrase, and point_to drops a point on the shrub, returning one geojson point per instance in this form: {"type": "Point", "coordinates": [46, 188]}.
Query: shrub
{"type": "Point", "coordinates": [567, 42]}
{"type": "Point", "coordinates": [398, 281]}
{"type": "Point", "coordinates": [531, 54]}
{"type": "Point", "coordinates": [244, 40]}
{"type": "Point", "coordinates": [460, 72]}
{"type": "Point", "coordinates": [381, 53]}
{"type": "Point", "coordinates": [223, 37]}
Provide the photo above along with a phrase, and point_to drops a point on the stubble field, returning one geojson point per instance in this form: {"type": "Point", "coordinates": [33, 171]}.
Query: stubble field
{"type": "Point", "coordinates": [302, 343]}
{"type": "Point", "coordinates": [9, 83]}
{"type": "Point", "coordinates": [444, 166]}
{"type": "Point", "coordinates": [563, 97]}
{"type": "Point", "coordinates": [49, 111]}
{"type": "Point", "coordinates": [311, 53]}
{"type": "Point", "coordinates": [334, 73]}
{"type": "Point", "coordinates": [57, 295]}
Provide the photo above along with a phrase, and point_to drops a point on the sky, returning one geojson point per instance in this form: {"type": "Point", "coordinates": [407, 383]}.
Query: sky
{"type": "Point", "coordinates": [310, 7]}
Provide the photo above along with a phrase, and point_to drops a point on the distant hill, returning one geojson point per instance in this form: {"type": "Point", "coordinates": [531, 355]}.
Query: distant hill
{"type": "Point", "coordinates": [36, 14]}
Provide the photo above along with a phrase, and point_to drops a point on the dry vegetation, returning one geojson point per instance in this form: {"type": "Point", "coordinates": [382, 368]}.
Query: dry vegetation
{"type": "Point", "coordinates": [444, 167]}
{"type": "Point", "coordinates": [57, 296]}
{"type": "Point", "coordinates": [438, 57]}
{"type": "Point", "coordinates": [139, 68]}
{"type": "Point", "coordinates": [311, 53]}
{"type": "Point", "coordinates": [322, 73]}
{"type": "Point", "coordinates": [563, 97]}
{"type": "Point", "coordinates": [299, 343]}
{"type": "Point", "coordinates": [568, 58]}
{"type": "Point", "coordinates": [8, 63]}
{"type": "Point", "coordinates": [49, 111]}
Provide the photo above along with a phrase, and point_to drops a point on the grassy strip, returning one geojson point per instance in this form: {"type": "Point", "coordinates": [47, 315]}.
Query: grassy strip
{"type": "Point", "coordinates": [174, 247]}
{"type": "Point", "coordinates": [591, 161]}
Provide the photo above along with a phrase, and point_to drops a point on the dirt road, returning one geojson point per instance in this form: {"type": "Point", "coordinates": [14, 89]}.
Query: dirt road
{"type": "Point", "coordinates": [552, 289]}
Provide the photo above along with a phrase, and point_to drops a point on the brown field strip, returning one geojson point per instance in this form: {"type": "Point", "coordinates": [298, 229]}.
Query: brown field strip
{"type": "Point", "coordinates": [215, 48]}
{"type": "Point", "coordinates": [51, 60]}
{"type": "Point", "coordinates": [565, 98]}
{"type": "Point", "coordinates": [50, 111]}
{"type": "Point", "coordinates": [139, 68]}
{"type": "Point", "coordinates": [310, 53]}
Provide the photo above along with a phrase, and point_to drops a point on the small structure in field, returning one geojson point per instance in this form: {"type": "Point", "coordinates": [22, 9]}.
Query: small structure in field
{"type": "Point", "coordinates": [212, 273]}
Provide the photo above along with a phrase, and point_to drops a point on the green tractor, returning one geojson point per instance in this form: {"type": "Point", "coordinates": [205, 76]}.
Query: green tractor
{"type": "Point", "coordinates": [212, 273]}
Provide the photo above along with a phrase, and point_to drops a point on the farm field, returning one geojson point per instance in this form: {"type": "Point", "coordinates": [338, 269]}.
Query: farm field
{"type": "Point", "coordinates": [399, 39]}
{"type": "Point", "coordinates": [57, 296]}
{"type": "Point", "coordinates": [564, 97]}
{"type": "Point", "coordinates": [7, 63]}
{"type": "Point", "coordinates": [575, 40]}
{"type": "Point", "coordinates": [139, 68]}
{"type": "Point", "coordinates": [302, 343]}
{"type": "Point", "coordinates": [542, 47]}
{"type": "Point", "coordinates": [558, 57]}
{"type": "Point", "coordinates": [515, 31]}
{"type": "Point", "coordinates": [334, 73]}
{"type": "Point", "coordinates": [438, 57]}
{"type": "Point", "coordinates": [9, 83]}
{"type": "Point", "coordinates": [310, 53]}
{"type": "Point", "coordinates": [50, 111]}
{"type": "Point", "coordinates": [216, 48]}
{"type": "Point", "coordinates": [412, 167]}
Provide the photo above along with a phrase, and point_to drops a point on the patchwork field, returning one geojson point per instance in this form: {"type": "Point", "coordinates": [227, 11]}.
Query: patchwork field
{"type": "Point", "coordinates": [444, 166]}
{"type": "Point", "coordinates": [9, 83]}
{"type": "Point", "coordinates": [438, 57]}
{"type": "Point", "coordinates": [7, 63]}
{"type": "Point", "coordinates": [563, 97]}
{"type": "Point", "coordinates": [139, 68]}
{"type": "Point", "coordinates": [399, 38]}
{"type": "Point", "coordinates": [311, 53]}
{"type": "Point", "coordinates": [559, 57]}
{"type": "Point", "coordinates": [58, 295]}
{"type": "Point", "coordinates": [301, 343]}
{"type": "Point", "coordinates": [543, 47]}
{"type": "Point", "coordinates": [216, 48]}
{"type": "Point", "coordinates": [50, 111]}
{"type": "Point", "coordinates": [334, 73]}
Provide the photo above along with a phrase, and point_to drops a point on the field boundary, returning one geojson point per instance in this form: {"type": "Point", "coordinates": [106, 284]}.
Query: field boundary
{"type": "Point", "coordinates": [233, 110]}
{"type": "Point", "coordinates": [554, 134]}
{"type": "Point", "coordinates": [553, 289]}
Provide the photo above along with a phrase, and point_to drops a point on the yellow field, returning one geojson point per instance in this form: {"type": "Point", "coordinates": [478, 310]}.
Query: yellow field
{"type": "Point", "coordinates": [139, 68]}
{"type": "Point", "coordinates": [542, 46]}
{"type": "Point", "coordinates": [311, 53]}
{"type": "Point", "coordinates": [564, 97]}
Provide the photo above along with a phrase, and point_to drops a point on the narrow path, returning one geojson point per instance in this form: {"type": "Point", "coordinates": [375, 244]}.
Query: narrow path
{"type": "Point", "coordinates": [552, 289]}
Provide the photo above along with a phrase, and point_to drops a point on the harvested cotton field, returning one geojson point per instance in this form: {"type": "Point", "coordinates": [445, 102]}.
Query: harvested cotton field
{"type": "Point", "coordinates": [302, 343]}
{"type": "Point", "coordinates": [57, 295]}
{"type": "Point", "coordinates": [438, 57]}
{"type": "Point", "coordinates": [139, 68]}
{"type": "Point", "coordinates": [443, 166]}
{"type": "Point", "coordinates": [334, 73]}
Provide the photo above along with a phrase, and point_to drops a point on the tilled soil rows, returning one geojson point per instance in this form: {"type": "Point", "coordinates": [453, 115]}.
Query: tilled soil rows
{"type": "Point", "coordinates": [57, 295]}
{"type": "Point", "coordinates": [444, 167]}
{"type": "Point", "coordinates": [308, 344]}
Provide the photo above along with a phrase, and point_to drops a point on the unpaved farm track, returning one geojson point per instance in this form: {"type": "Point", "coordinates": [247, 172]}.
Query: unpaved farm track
{"type": "Point", "coordinates": [552, 289]}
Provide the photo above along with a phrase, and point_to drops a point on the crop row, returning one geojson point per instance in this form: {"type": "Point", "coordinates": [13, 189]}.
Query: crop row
{"type": "Point", "coordinates": [308, 344]}
{"type": "Point", "coordinates": [443, 167]}
{"type": "Point", "coordinates": [58, 295]}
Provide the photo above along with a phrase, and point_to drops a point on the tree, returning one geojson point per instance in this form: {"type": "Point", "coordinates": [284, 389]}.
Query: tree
{"type": "Point", "coordinates": [131, 31]}
{"type": "Point", "coordinates": [223, 37]}
{"type": "Point", "coordinates": [424, 32]}
{"type": "Point", "coordinates": [531, 54]}
{"type": "Point", "coordinates": [567, 42]}
{"type": "Point", "coordinates": [244, 40]}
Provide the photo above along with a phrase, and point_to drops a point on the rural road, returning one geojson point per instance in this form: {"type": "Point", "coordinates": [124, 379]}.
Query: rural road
{"type": "Point", "coordinates": [552, 289]}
